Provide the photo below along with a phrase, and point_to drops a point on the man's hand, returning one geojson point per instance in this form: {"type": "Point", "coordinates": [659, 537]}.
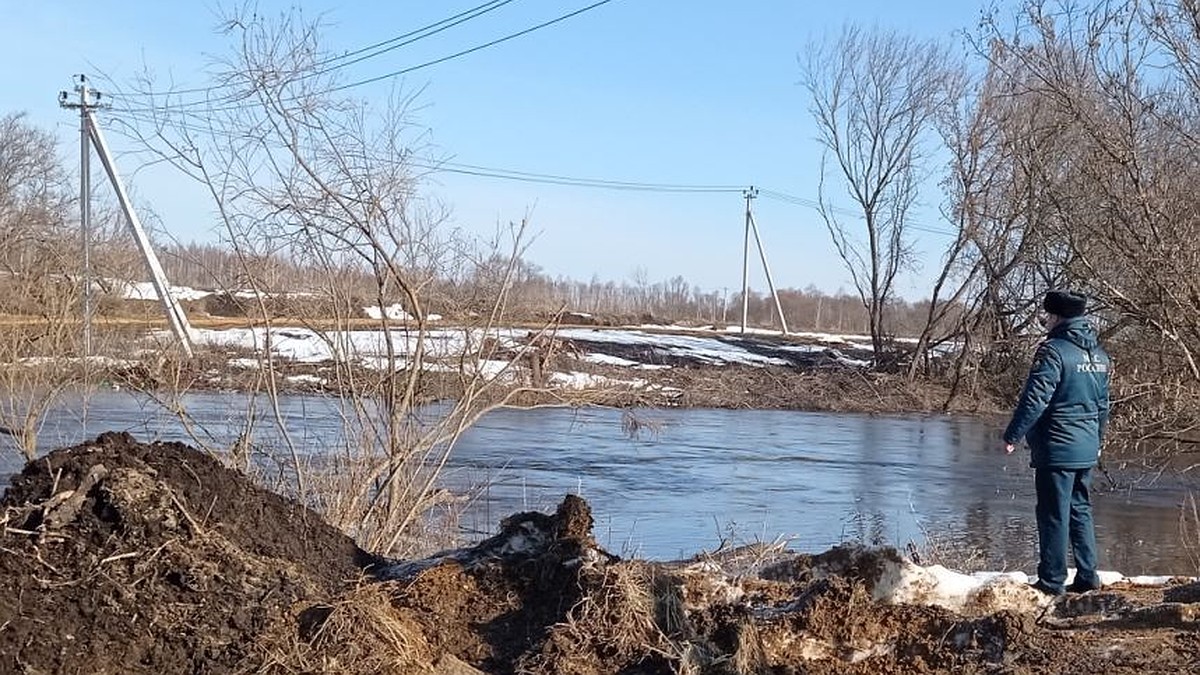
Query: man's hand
{"type": "Point", "coordinates": [1009, 447]}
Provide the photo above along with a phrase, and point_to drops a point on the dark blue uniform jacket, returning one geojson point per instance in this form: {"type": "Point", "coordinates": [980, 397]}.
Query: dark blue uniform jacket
{"type": "Point", "coordinates": [1063, 408]}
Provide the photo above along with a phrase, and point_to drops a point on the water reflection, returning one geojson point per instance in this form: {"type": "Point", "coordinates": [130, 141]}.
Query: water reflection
{"type": "Point", "coordinates": [712, 475]}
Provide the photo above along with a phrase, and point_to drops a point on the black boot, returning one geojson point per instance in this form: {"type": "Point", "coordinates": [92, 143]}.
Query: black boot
{"type": "Point", "coordinates": [1078, 586]}
{"type": "Point", "coordinates": [1042, 586]}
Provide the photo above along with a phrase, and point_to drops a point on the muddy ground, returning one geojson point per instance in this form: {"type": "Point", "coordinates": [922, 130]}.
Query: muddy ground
{"type": "Point", "coordinates": [121, 557]}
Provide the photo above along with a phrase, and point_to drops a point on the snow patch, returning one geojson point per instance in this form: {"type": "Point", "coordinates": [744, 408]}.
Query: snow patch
{"type": "Point", "coordinates": [609, 360]}
{"type": "Point", "coordinates": [578, 380]}
{"type": "Point", "coordinates": [144, 290]}
{"type": "Point", "coordinates": [391, 311]}
{"type": "Point", "coordinates": [306, 379]}
{"type": "Point", "coordinates": [396, 313]}
{"type": "Point", "coordinates": [897, 580]}
{"type": "Point", "coordinates": [699, 347]}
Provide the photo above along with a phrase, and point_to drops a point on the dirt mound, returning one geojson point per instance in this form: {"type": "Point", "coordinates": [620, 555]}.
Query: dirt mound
{"type": "Point", "coordinates": [541, 598]}
{"type": "Point", "coordinates": [124, 557]}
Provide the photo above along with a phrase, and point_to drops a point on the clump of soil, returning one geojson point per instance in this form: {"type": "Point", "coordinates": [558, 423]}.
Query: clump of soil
{"type": "Point", "coordinates": [120, 557]}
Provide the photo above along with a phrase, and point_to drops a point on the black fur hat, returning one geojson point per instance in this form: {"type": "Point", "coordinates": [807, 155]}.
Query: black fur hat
{"type": "Point", "coordinates": [1065, 304]}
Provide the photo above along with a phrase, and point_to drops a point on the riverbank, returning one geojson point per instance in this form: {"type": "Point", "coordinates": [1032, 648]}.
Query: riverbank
{"type": "Point", "coordinates": [122, 557]}
{"type": "Point", "coordinates": [635, 366]}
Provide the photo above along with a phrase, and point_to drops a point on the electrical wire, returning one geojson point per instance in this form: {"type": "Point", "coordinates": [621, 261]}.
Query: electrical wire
{"type": "Point", "coordinates": [476, 170]}
{"type": "Point", "coordinates": [408, 38]}
{"type": "Point", "coordinates": [553, 179]}
{"type": "Point", "coordinates": [472, 50]}
{"type": "Point", "coordinates": [225, 106]}
{"type": "Point", "coordinates": [436, 166]}
{"type": "Point", "coordinates": [424, 31]}
{"type": "Point", "coordinates": [389, 44]}
{"type": "Point", "coordinates": [816, 206]}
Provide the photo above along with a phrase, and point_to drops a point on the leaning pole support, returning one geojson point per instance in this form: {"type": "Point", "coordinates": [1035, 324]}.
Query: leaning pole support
{"type": "Point", "coordinates": [175, 315]}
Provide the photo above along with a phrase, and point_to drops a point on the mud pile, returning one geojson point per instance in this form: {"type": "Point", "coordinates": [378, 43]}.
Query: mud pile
{"type": "Point", "coordinates": [118, 557]}
{"type": "Point", "coordinates": [122, 557]}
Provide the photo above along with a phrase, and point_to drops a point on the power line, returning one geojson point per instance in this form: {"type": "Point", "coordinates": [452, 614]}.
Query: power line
{"type": "Point", "coordinates": [395, 73]}
{"type": "Point", "coordinates": [472, 50]}
{"type": "Point", "coordinates": [390, 44]}
{"type": "Point", "coordinates": [816, 206]}
{"type": "Point", "coordinates": [553, 179]}
{"type": "Point", "coordinates": [516, 175]}
{"type": "Point", "coordinates": [437, 166]}
{"type": "Point", "coordinates": [476, 170]}
{"type": "Point", "coordinates": [408, 38]}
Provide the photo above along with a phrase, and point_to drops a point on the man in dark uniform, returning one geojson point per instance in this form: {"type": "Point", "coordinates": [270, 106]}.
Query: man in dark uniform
{"type": "Point", "coordinates": [1062, 413]}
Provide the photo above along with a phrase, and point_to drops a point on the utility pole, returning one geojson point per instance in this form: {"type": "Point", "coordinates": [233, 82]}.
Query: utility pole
{"type": "Point", "coordinates": [762, 253]}
{"type": "Point", "coordinates": [92, 137]}
{"type": "Point", "coordinates": [750, 194]}
{"type": "Point", "coordinates": [84, 106]}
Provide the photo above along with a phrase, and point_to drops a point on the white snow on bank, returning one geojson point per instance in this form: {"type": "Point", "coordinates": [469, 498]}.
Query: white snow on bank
{"type": "Point", "coordinates": [306, 379]}
{"type": "Point", "coordinates": [485, 368]}
{"type": "Point", "coordinates": [701, 348]}
{"type": "Point", "coordinates": [1142, 580]}
{"type": "Point", "coordinates": [307, 346]}
{"type": "Point", "coordinates": [751, 330]}
{"type": "Point", "coordinates": [863, 341]}
{"type": "Point", "coordinates": [608, 360]}
{"type": "Point", "coordinates": [907, 582]}
{"type": "Point", "coordinates": [144, 290]}
{"type": "Point", "coordinates": [395, 312]}
{"type": "Point", "coordinates": [577, 380]}
{"type": "Point", "coordinates": [370, 347]}
{"type": "Point", "coordinates": [392, 312]}
{"type": "Point", "coordinates": [97, 361]}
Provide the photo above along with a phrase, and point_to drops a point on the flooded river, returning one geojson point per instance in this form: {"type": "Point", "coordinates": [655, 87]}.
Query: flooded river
{"type": "Point", "coordinates": [698, 477]}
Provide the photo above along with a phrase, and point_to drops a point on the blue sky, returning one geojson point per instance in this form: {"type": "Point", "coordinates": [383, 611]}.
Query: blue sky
{"type": "Point", "coordinates": [647, 91]}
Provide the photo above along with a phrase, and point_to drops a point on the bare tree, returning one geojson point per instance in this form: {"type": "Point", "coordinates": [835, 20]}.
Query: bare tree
{"type": "Point", "coordinates": [298, 170]}
{"type": "Point", "coordinates": [38, 295]}
{"type": "Point", "coordinates": [875, 96]}
{"type": "Point", "coordinates": [1094, 162]}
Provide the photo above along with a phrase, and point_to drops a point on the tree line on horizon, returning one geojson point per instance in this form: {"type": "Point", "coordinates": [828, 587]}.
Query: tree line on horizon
{"type": "Point", "coordinates": [534, 295]}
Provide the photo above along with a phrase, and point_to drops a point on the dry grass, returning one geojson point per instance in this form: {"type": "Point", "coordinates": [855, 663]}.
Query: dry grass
{"type": "Point", "coordinates": [938, 549]}
{"type": "Point", "coordinates": [360, 633]}
{"type": "Point", "coordinates": [833, 390]}
{"type": "Point", "coordinates": [629, 614]}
